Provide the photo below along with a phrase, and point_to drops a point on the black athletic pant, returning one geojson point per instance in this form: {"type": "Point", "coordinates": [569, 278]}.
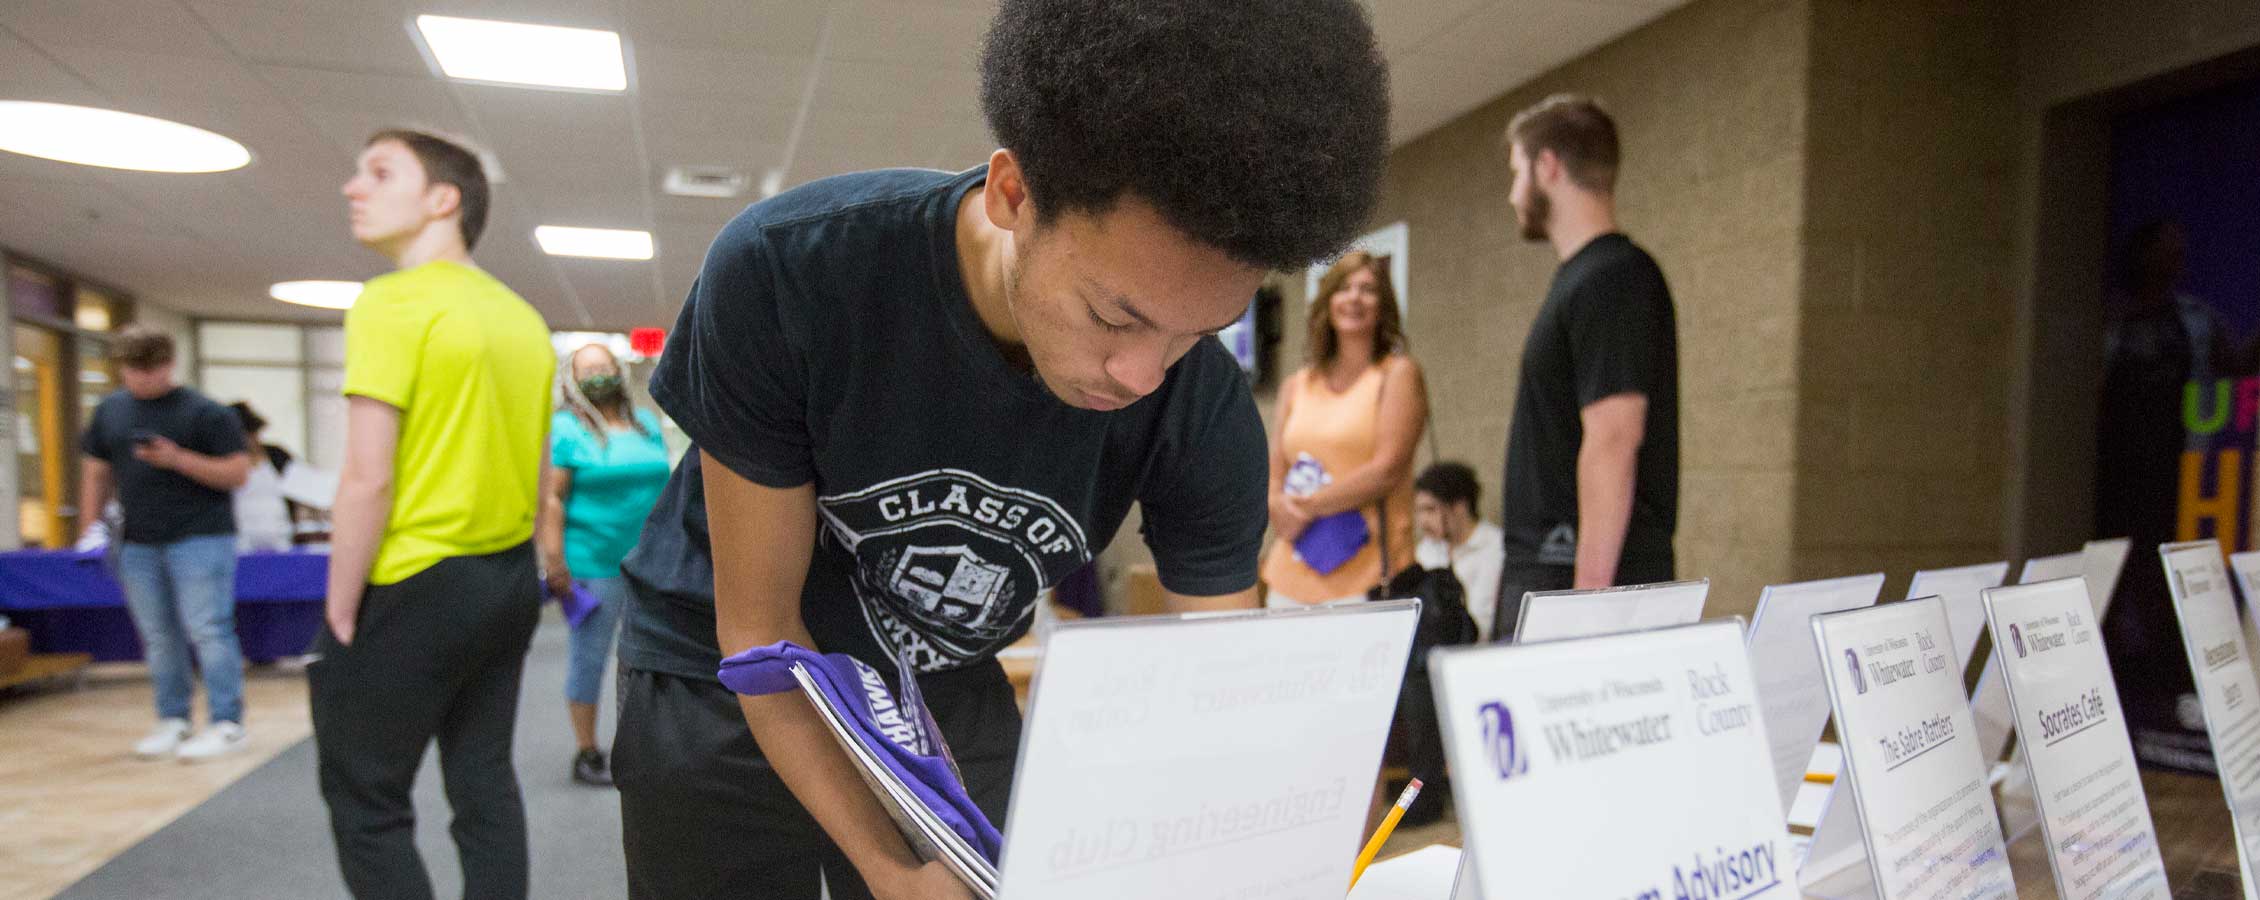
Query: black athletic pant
{"type": "Point", "coordinates": [703, 815]}
{"type": "Point", "coordinates": [436, 655]}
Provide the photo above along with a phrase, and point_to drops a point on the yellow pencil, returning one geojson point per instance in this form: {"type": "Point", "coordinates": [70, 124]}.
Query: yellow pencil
{"type": "Point", "coordinates": [1381, 835]}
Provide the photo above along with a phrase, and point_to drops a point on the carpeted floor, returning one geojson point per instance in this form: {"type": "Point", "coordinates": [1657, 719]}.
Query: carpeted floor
{"type": "Point", "coordinates": [268, 835]}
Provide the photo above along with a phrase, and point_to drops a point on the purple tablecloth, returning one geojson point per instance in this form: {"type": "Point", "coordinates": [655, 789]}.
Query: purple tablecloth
{"type": "Point", "coordinates": [70, 604]}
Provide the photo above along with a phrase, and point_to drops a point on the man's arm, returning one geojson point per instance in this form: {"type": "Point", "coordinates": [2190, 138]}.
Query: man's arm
{"type": "Point", "coordinates": [1181, 603]}
{"type": "Point", "coordinates": [1607, 461]}
{"type": "Point", "coordinates": [93, 493]}
{"type": "Point", "coordinates": [549, 525]}
{"type": "Point", "coordinates": [364, 500]}
{"type": "Point", "coordinates": [220, 473]}
{"type": "Point", "coordinates": [762, 539]}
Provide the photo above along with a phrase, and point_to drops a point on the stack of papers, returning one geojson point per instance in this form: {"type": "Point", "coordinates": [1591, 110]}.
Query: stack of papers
{"type": "Point", "coordinates": [926, 833]}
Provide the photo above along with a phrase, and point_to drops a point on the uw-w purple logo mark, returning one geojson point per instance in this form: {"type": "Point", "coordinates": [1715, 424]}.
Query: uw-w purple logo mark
{"type": "Point", "coordinates": [1499, 740]}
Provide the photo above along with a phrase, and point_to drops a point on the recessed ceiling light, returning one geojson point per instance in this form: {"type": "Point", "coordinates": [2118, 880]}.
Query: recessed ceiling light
{"type": "Point", "coordinates": [113, 139]}
{"type": "Point", "coordinates": [325, 294]}
{"type": "Point", "coordinates": [519, 53]}
{"type": "Point", "coordinates": [596, 243]}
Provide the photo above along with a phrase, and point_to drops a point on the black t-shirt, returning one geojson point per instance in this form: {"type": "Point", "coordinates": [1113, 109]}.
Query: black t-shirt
{"type": "Point", "coordinates": [1606, 328]}
{"type": "Point", "coordinates": [830, 340]}
{"type": "Point", "coordinates": [163, 506]}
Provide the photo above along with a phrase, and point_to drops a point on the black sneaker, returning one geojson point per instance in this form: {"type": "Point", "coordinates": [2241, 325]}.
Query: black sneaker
{"type": "Point", "coordinates": [590, 768]}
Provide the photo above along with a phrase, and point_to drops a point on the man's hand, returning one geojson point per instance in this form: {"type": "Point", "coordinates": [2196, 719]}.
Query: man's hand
{"type": "Point", "coordinates": [932, 881]}
{"type": "Point", "coordinates": [1288, 516]}
{"type": "Point", "coordinates": [556, 576]}
{"type": "Point", "coordinates": [341, 624]}
{"type": "Point", "coordinates": [158, 452]}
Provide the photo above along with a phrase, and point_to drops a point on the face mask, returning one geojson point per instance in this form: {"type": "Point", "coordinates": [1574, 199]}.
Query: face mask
{"type": "Point", "coordinates": [602, 389]}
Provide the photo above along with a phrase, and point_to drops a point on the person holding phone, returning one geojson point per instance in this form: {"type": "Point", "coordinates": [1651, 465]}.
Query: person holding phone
{"type": "Point", "coordinates": [173, 456]}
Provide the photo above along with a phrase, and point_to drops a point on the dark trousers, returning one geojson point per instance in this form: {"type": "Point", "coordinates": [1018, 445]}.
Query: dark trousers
{"type": "Point", "coordinates": [1517, 579]}
{"type": "Point", "coordinates": [703, 815]}
{"type": "Point", "coordinates": [436, 655]}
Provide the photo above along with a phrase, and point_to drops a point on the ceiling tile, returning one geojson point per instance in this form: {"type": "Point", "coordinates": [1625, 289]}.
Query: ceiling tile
{"type": "Point", "coordinates": [346, 39]}
{"type": "Point", "coordinates": [731, 75]}
{"type": "Point", "coordinates": [141, 26]}
{"type": "Point", "coordinates": [917, 34]}
{"type": "Point", "coordinates": [779, 27]}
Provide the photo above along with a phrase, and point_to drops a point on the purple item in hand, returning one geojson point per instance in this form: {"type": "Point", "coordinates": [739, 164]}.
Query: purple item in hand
{"type": "Point", "coordinates": [577, 603]}
{"type": "Point", "coordinates": [896, 738]}
{"type": "Point", "coordinates": [1327, 543]}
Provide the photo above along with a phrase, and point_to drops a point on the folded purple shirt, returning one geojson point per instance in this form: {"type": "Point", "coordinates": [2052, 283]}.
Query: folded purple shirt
{"type": "Point", "coordinates": [1327, 543]}
{"type": "Point", "coordinates": [576, 603]}
{"type": "Point", "coordinates": [895, 735]}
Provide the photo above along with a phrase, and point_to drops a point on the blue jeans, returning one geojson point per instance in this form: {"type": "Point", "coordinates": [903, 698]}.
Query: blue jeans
{"type": "Point", "coordinates": [592, 639]}
{"type": "Point", "coordinates": [183, 593]}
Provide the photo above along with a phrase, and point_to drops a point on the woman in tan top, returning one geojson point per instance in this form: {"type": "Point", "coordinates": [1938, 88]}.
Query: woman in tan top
{"type": "Point", "coordinates": [1347, 426]}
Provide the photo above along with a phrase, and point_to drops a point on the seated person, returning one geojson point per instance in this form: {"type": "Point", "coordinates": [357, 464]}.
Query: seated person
{"type": "Point", "coordinates": [1451, 535]}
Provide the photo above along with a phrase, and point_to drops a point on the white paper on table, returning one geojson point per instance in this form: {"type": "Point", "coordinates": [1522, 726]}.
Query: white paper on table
{"type": "Point", "coordinates": [1653, 738]}
{"type": "Point", "coordinates": [1559, 615]}
{"type": "Point", "coordinates": [1959, 587]}
{"type": "Point", "coordinates": [1428, 873]}
{"type": "Point", "coordinates": [1910, 758]}
{"type": "Point", "coordinates": [2093, 812]}
{"type": "Point", "coordinates": [307, 485]}
{"type": "Point", "coordinates": [1789, 669]}
{"type": "Point", "coordinates": [2222, 667]}
{"type": "Point", "coordinates": [2099, 565]}
{"type": "Point", "coordinates": [1217, 756]}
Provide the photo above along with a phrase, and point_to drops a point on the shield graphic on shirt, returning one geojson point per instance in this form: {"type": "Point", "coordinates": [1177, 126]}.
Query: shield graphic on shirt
{"type": "Point", "coordinates": [948, 564]}
{"type": "Point", "coordinates": [949, 583]}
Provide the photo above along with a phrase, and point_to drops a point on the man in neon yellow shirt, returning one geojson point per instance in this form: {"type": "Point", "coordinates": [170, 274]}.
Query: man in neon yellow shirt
{"type": "Point", "coordinates": [433, 593]}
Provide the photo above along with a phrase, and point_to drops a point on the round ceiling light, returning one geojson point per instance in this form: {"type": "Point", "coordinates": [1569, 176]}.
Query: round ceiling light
{"type": "Point", "coordinates": [114, 140]}
{"type": "Point", "coordinates": [325, 294]}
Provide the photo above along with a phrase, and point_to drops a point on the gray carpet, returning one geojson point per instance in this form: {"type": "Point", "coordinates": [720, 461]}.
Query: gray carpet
{"type": "Point", "coordinates": [268, 834]}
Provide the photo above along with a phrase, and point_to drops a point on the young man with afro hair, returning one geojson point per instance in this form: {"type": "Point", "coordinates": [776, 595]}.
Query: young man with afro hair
{"type": "Point", "coordinates": [920, 398]}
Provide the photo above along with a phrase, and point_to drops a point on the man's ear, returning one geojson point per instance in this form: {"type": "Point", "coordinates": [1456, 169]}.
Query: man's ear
{"type": "Point", "coordinates": [1005, 196]}
{"type": "Point", "coordinates": [442, 200]}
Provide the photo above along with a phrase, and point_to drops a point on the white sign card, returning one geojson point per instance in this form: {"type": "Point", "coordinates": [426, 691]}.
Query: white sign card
{"type": "Point", "coordinates": [2246, 567]}
{"type": "Point", "coordinates": [2102, 562]}
{"type": "Point", "coordinates": [2220, 663]}
{"type": "Point", "coordinates": [1965, 613]}
{"type": "Point", "coordinates": [1627, 766]}
{"type": "Point", "coordinates": [2101, 842]}
{"type": "Point", "coordinates": [1204, 758]}
{"type": "Point", "coordinates": [2099, 565]}
{"type": "Point", "coordinates": [1789, 669]}
{"type": "Point", "coordinates": [1558, 615]}
{"type": "Point", "coordinates": [1925, 813]}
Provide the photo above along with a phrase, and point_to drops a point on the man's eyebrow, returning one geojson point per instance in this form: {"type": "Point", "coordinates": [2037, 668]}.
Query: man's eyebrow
{"type": "Point", "coordinates": [1123, 304]}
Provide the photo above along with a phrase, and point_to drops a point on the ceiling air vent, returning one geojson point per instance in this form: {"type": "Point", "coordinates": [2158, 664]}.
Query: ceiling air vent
{"type": "Point", "coordinates": [704, 181]}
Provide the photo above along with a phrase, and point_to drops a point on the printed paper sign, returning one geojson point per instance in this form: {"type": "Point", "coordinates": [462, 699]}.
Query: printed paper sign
{"type": "Point", "coordinates": [1925, 812]}
{"type": "Point", "coordinates": [1207, 758]}
{"type": "Point", "coordinates": [2101, 842]}
{"type": "Point", "coordinates": [1789, 670]}
{"type": "Point", "coordinates": [1965, 613]}
{"type": "Point", "coordinates": [1559, 615]}
{"type": "Point", "coordinates": [1627, 766]}
{"type": "Point", "coordinates": [2225, 688]}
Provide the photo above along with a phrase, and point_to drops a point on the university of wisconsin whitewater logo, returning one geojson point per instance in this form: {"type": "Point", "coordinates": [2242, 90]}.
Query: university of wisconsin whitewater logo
{"type": "Point", "coordinates": [947, 563]}
{"type": "Point", "coordinates": [2017, 635]}
{"type": "Point", "coordinates": [1499, 739]}
{"type": "Point", "coordinates": [1852, 664]}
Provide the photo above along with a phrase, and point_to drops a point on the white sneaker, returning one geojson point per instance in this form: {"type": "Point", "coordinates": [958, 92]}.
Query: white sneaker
{"type": "Point", "coordinates": [219, 740]}
{"type": "Point", "coordinates": [162, 740]}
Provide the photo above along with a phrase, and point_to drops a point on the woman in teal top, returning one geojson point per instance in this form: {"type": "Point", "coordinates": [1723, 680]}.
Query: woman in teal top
{"type": "Point", "coordinates": [607, 467]}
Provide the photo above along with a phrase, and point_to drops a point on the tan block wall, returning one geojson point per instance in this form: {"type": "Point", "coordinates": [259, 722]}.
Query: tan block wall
{"type": "Point", "coordinates": [1907, 312]}
{"type": "Point", "coordinates": [1710, 101]}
